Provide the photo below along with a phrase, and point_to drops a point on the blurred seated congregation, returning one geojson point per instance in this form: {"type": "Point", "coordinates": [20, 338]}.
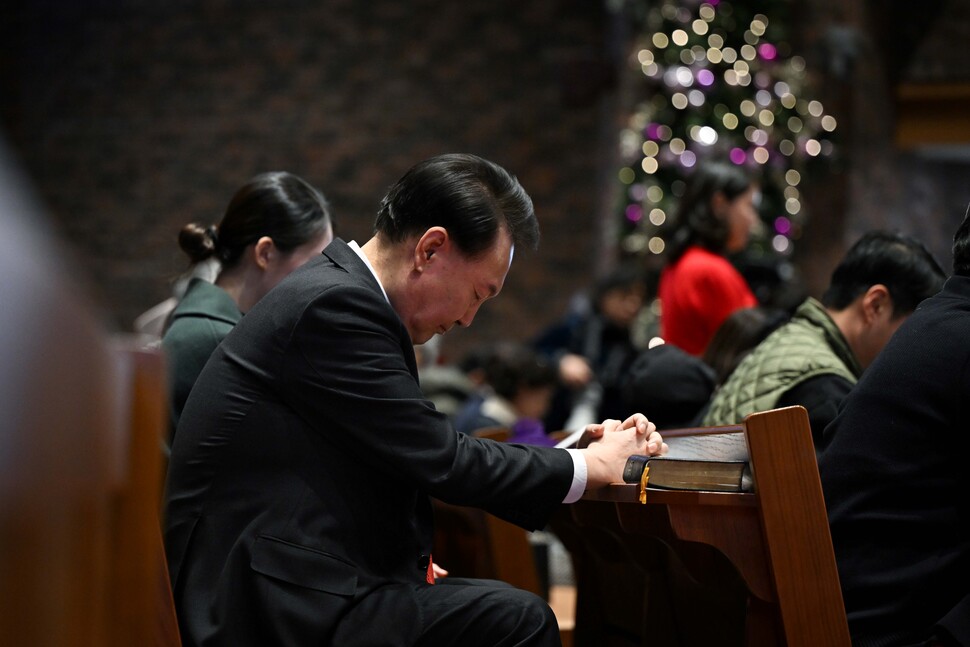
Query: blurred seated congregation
{"type": "Point", "coordinates": [746, 220]}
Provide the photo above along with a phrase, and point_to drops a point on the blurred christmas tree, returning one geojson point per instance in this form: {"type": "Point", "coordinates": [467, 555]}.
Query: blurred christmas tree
{"type": "Point", "coordinates": [719, 81]}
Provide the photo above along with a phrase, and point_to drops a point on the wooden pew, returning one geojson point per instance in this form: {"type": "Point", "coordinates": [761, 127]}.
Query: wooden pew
{"type": "Point", "coordinates": [82, 544]}
{"type": "Point", "coordinates": [771, 545]}
{"type": "Point", "coordinates": [56, 390]}
{"type": "Point", "coordinates": [80, 468]}
{"type": "Point", "coordinates": [141, 604]}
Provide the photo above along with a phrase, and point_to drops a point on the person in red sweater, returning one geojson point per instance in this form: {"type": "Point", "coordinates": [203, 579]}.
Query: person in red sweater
{"type": "Point", "coordinates": [699, 288]}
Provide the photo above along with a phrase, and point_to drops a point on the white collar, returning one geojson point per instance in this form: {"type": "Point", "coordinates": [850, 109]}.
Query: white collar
{"type": "Point", "coordinates": [357, 250]}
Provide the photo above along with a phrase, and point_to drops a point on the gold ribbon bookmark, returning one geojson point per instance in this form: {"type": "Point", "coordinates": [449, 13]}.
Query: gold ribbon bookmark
{"type": "Point", "coordinates": [643, 484]}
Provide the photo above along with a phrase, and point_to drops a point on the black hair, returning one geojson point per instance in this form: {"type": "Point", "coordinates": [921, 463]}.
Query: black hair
{"type": "Point", "coordinates": [961, 247]}
{"type": "Point", "coordinates": [624, 277]}
{"type": "Point", "coordinates": [474, 359]}
{"type": "Point", "coordinates": [695, 222]}
{"type": "Point", "coordinates": [469, 196]}
{"type": "Point", "coordinates": [900, 262]}
{"type": "Point", "coordinates": [278, 204]}
{"type": "Point", "coordinates": [744, 329]}
{"type": "Point", "coordinates": [511, 367]}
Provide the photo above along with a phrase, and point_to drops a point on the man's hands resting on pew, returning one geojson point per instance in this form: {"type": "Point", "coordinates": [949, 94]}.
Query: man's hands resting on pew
{"type": "Point", "coordinates": [607, 445]}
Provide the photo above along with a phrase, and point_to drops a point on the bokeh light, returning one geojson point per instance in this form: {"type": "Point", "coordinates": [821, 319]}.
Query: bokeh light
{"type": "Point", "coordinates": [718, 82]}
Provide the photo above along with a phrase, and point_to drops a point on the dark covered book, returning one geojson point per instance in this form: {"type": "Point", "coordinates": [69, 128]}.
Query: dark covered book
{"type": "Point", "coordinates": [689, 474]}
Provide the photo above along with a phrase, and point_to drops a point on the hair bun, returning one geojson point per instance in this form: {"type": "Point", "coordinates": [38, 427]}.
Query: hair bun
{"type": "Point", "coordinates": [198, 242]}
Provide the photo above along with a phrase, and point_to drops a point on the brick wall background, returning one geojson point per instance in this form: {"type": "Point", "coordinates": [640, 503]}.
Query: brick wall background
{"type": "Point", "coordinates": [134, 117]}
{"type": "Point", "coordinates": [861, 51]}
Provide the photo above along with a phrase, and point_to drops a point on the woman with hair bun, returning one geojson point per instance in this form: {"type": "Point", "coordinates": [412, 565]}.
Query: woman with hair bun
{"type": "Point", "coordinates": [273, 224]}
{"type": "Point", "coordinates": [699, 288]}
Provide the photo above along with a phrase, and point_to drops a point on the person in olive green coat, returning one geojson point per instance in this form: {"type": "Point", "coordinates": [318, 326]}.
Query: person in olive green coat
{"type": "Point", "coordinates": [816, 358]}
{"type": "Point", "coordinates": [273, 224]}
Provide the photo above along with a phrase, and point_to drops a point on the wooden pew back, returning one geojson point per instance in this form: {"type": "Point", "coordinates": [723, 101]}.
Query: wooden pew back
{"type": "Point", "coordinates": [795, 528]}
{"type": "Point", "coordinates": [80, 539]}
{"type": "Point", "coordinates": [776, 541]}
{"type": "Point", "coordinates": [80, 468]}
{"type": "Point", "coordinates": [141, 604]}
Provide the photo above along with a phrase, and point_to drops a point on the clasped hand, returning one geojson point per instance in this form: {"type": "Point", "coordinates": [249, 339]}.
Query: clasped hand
{"type": "Point", "coordinates": [608, 444]}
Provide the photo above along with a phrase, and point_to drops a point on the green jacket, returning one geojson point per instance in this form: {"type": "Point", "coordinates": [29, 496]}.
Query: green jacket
{"type": "Point", "coordinates": [201, 320]}
{"type": "Point", "coordinates": [807, 346]}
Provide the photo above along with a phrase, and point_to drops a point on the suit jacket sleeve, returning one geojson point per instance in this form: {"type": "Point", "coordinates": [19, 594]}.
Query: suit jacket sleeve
{"type": "Point", "coordinates": [349, 371]}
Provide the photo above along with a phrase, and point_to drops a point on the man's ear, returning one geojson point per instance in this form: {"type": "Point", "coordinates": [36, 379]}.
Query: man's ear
{"type": "Point", "coordinates": [877, 304]}
{"type": "Point", "coordinates": [431, 243]}
{"type": "Point", "coordinates": [263, 252]}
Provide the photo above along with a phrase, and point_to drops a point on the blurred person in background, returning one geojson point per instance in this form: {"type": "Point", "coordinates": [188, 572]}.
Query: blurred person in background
{"type": "Point", "coordinates": [520, 385]}
{"type": "Point", "coordinates": [593, 352]}
{"type": "Point", "coordinates": [816, 358]}
{"type": "Point", "coordinates": [699, 287]}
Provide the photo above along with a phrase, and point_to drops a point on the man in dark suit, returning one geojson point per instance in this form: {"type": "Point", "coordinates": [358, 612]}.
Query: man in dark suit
{"type": "Point", "coordinates": [893, 468]}
{"type": "Point", "coordinates": [298, 507]}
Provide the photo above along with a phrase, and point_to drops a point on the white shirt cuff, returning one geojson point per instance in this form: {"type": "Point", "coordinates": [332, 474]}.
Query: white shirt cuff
{"type": "Point", "coordinates": [579, 477]}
